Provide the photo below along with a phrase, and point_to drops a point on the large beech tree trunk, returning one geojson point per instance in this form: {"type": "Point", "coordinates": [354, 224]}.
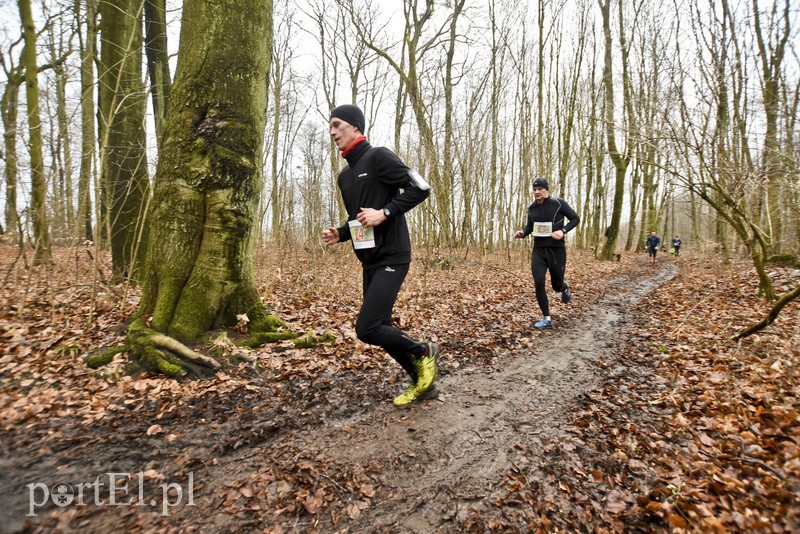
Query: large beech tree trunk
{"type": "Point", "coordinates": [199, 272]}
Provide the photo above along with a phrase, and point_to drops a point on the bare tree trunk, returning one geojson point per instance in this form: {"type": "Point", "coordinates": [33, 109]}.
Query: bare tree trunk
{"type": "Point", "coordinates": [771, 55]}
{"type": "Point", "coordinates": [589, 232]}
{"type": "Point", "coordinates": [87, 49]}
{"type": "Point", "coordinates": [792, 167]}
{"type": "Point", "coordinates": [620, 160]}
{"type": "Point", "coordinates": [571, 105]}
{"type": "Point", "coordinates": [330, 56]}
{"type": "Point", "coordinates": [635, 202]}
{"type": "Point", "coordinates": [542, 166]}
{"type": "Point", "coordinates": [155, 46]}
{"type": "Point", "coordinates": [63, 140]}
{"type": "Point", "coordinates": [41, 230]}
{"type": "Point", "coordinates": [447, 149]}
{"type": "Point", "coordinates": [9, 106]}
{"type": "Point", "coordinates": [200, 265]}
{"type": "Point", "coordinates": [276, 86]}
{"type": "Point", "coordinates": [55, 172]}
{"type": "Point", "coordinates": [123, 160]}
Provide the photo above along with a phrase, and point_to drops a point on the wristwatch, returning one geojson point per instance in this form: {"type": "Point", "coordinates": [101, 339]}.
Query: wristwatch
{"type": "Point", "coordinates": [387, 212]}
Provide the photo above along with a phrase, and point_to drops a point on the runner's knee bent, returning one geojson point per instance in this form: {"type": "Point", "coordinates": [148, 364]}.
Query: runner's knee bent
{"type": "Point", "coordinates": [368, 331]}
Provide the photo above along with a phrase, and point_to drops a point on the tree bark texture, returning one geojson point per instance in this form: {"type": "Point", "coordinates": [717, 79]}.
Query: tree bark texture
{"type": "Point", "coordinates": [199, 273]}
{"type": "Point", "coordinates": [41, 230]}
{"type": "Point", "coordinates": [9, 106]}
{"type": "Point", "coordinates": [88, 130]}
{"type": "Point", "coordinates": [122, 102]}
{"type": "Point", "coordinates": [620, 160]}
{"type": "Point", "coordinates": [155, 15]}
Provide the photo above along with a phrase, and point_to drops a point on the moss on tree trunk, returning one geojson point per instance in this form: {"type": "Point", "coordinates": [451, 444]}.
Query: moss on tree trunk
{"type": "Point", "coordinates": [199, 272]}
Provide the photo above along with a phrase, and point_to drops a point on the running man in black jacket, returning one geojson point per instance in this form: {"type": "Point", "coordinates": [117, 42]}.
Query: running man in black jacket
{"type": "Point", "coordinates": [653, 242]}
{"type": "Point", "coordinates": [546, 221]}
{"type": "Point", "coordinates": [376, 225]}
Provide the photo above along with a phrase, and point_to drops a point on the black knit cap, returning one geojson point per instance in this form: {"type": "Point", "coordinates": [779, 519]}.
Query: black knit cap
{"type": "Point", "coordinates": [541, 182]}
{"type": "Point", "coordinates": [351, 115]}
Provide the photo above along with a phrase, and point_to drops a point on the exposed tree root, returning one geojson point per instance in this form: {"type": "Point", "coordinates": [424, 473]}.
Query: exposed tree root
{"type": "Point", "coordinates": [156, 351]}
{"type": "Point", "coordinates": [256, 339]}
{"type": "Point", "coordinates": [265, 330]}
{"type": "Point", "coordinates": [102, 357]}
{"type": "Point", "coordinates": [153, 350]}
{"type": "Point", "coordinates": [310, 340]}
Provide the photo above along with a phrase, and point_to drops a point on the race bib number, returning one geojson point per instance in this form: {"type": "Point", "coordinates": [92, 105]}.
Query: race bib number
{"type": "Point", "coordinates": [362, 237]}
{"type": "Point", "coordinates": [542, 229]}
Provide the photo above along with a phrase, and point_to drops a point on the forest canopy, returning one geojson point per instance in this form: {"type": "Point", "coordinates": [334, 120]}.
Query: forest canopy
{"type": "Point", "coordinates": [691, 105]}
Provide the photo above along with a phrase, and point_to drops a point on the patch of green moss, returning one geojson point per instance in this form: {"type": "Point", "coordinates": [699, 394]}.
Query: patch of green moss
{"type": "Point", "coordinates": [256, 339]}
{"type": "Point", "coordinates": [102, 357]}
{"type": "Point", "coordinates": [310, 340]}
{"type": "Point", "coordinates": [169, 368]}
{"type": "Point", "coordinates": [268, 323]}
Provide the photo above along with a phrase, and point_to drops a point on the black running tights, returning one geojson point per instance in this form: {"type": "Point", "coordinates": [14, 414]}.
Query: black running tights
{"type": "Point", "coordinates": [374, 323]}
{"type": "Point", "coordinates": [542, 260]}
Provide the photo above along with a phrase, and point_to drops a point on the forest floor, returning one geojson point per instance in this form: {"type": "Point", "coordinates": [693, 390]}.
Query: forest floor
{"type": "Point", "coordinates": [635, 412]}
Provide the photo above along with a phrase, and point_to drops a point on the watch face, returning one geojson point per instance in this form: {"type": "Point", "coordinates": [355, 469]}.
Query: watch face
{"type": "Point", "coordinates": [387, 212]}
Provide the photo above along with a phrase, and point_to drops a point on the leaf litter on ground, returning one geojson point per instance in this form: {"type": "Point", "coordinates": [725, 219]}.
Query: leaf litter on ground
{"type": "Point", "coordinates": [688, 431]}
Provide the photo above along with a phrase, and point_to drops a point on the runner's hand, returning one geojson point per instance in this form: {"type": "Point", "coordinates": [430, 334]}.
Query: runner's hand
{"type": "Point", "coordinates": [369, 217]}
{"type": "Point", "coordinates": [330, 236]}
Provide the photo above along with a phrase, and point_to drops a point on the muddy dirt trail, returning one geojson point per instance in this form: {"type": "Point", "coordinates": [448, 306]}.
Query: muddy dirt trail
{"type": "Point", "coordinates": [453, 452]}
{"type": "Point", "coordinates": [433, 460]}
{"type": "Point", "coordinates": [442, 456]}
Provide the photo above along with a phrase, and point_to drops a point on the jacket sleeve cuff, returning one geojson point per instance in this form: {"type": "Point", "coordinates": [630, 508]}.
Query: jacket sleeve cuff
{"type": "Point", "coordinates": [344, 233]}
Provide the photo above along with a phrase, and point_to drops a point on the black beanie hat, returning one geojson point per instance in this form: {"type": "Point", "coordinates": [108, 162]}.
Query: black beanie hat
{"type": "Point", "coordinates": [541, 182]}
{"type": "Point", "coordinates": [351, 115]}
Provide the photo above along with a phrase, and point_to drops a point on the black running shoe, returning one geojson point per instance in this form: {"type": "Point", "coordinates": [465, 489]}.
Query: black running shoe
{"type": "Point", "coordinates": [566, 294]}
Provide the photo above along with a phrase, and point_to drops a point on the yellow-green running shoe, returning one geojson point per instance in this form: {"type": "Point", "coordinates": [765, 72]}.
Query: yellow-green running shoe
{"type": "Point", "coordinates": [412, 395]}
{"type": "Point", "coordinates": [427, 367]}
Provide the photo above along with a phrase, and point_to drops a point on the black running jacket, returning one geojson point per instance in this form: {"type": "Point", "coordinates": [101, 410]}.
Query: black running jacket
{"type": "Point", "coordinates": [376, 178]}
{"type": "Point", "coordinates": [553, 210]}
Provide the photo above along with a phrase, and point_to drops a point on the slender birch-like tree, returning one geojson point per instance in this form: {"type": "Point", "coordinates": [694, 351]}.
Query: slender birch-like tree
{"type": "Point", "coordinates": [155, 46]}
{"type": "Point", "coordinates": [9, 109]}
{"type": "Point", "coordinates": [41, 229]}
{"type": "Point", "coordinates": [88, 130]}
{"type": "Point", "coordinates": [122, 103]}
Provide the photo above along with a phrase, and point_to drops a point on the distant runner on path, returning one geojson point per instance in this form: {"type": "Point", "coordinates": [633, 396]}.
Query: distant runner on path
{"type": "Point", "coordinates": [546, 221]}
{"type": "Point", "coordinates": [676, 245]}
{"type": "Point", "coordinates": [653, 243]}
{"type": "Point", "coordinates": [370, 185]}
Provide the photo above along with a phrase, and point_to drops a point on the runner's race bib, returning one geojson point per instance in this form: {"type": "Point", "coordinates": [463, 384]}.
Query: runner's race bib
{"type": "Point", "coordinates": [542, 229]}
{"type": "Point", "coordinates": [362, 237]}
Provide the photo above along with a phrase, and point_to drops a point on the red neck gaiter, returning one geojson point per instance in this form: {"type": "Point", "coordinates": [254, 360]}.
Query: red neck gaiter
{"type": "Point", "coordinates": [354, 144]}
